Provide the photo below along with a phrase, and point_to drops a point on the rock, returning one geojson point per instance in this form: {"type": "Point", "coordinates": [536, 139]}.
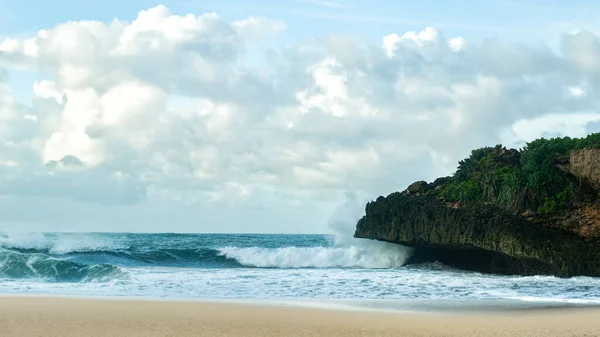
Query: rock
{"type": "Point", "coordinates": [418, 187]}
{"type": "Point", "coordinates": [584, 164]}
{"type": "Point", "coordinates": [483, 238]}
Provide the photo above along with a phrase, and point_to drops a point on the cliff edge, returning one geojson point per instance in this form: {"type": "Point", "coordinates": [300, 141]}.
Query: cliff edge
{"type": "Point", "coordinates": [533, 211]}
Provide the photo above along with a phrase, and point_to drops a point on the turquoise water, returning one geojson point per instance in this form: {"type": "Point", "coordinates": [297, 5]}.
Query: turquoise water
{"type": "Point", "coordinates": [229, 266]}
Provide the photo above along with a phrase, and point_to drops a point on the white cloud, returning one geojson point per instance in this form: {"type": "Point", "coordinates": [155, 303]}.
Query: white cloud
{"type": "Point", "coordinates": [165, 110]}
{"type": "Point", "coordinates": [256, 28]}
{"type": "Point", "coordinates": [551, 125]}
{"type": "Point", "coordinates": [48, 89]}
{"type": "Point", "coordinates": [25, 48]}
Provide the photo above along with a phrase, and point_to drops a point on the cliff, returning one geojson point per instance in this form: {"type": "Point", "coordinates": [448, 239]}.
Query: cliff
{"type": "Point", "coordinates": [533, 211]}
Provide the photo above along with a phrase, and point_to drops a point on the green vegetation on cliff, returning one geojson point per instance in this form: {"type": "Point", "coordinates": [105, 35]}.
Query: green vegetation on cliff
{"type": "Point", "coordinates": [530, 211]}
{"type": "Point", "coordinates": [526, 180]}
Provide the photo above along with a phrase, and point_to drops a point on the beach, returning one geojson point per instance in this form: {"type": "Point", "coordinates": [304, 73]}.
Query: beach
{"type": "Point", "coordinates": [65, 317]}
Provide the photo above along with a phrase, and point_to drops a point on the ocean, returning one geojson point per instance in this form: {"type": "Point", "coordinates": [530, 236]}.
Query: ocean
{"type": "Point", "coordinates": [316, 268]}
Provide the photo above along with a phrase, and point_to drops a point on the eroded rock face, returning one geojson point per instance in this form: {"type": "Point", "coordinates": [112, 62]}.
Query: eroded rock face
{"type": "Point", "coordinates": [584, 218]}
{"type": "Point", "coordinates": [585, 165]}
{"type": "Point", "coordinates": [485, 238]}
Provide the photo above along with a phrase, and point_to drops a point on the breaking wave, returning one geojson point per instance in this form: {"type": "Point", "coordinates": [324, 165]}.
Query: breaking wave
{"type": "Point", "coordinates": [90, 257]}
{"type": "Point", "coordinates": [95, 265]}
{"type": "Point", "coordinates": [257, 266]}
{"type": "Point", "coordinates": [316, 257]}
{"type": "Point", "coordinates": [97, 258]}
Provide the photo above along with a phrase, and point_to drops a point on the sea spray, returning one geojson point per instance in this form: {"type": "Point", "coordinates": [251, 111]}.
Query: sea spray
{"type": "Point", "coordinates": [346, 251]}
{"type": "Point", "coordinates": [316, 257]}
{"type": "Point", "coordinates": [57, 244]}
{"type": "Point", "coordinates": [379, 254]}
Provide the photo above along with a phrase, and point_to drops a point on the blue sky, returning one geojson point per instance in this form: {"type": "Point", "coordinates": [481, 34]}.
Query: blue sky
{"type": "Point", "coordinates": [521, 19]}
{"type": "Point", "coordinates": [224, 130]}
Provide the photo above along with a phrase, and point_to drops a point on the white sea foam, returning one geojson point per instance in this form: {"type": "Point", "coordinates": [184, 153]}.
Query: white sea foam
{"type": "Point", "coordinates": [370, 256]}
{"type": "Point", "coordinates": [537, 299]}
{"type": "Point", "coordinates": [318, 284]}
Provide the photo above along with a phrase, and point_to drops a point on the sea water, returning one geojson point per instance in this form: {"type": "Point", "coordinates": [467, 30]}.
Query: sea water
{"type": "Point", "coordinates": [256, 267]}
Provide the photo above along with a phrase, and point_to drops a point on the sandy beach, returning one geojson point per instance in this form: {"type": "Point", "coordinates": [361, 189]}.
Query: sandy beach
{"type": "Point", "coordinates": [65, 317]}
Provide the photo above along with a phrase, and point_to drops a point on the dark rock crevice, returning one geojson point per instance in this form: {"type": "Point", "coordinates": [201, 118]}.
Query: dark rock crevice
{"type": "Point", "coordinates": [480, 260]}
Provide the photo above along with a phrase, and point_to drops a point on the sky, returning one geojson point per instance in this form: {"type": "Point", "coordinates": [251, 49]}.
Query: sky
{"type": "Point", "coordinates": [263, 116]}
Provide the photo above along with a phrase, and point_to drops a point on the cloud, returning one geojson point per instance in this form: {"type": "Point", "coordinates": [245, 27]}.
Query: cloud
{"type": "Point", "coordinates": [166, 110]}
{"type": "Point", "coordinates": [256, 28]}
{"type": "Point", "coordinates": [551, 125]}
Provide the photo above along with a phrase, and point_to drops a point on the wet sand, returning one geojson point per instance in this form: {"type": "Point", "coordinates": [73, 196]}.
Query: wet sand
{"type": "Point", "coordinates": [66, 317]}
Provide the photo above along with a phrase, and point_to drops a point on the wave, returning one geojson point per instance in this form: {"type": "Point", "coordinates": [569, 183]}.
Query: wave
{"type": "Point", "coordinates": [16, 265]}
{"type": "Point", "coordinates": [60, 244]}
{"type": "Point", "coordinates": [316, 257]}
{"type": "Point", "coordinates": [202, 257]}
{"type": "Point", "coordinates": [101, 257]}
{"type": "Point", "coordinates": [225, 257]}
{"type": "Point", "coordinates": [91, 249]}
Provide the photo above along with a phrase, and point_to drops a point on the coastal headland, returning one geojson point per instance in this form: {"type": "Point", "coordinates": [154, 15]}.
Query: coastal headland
{"type": "Point", "coordinates": [533, 211]}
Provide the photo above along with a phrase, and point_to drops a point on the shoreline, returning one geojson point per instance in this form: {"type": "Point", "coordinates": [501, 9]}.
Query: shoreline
{"type": "Point", "coordinates": [22, 316]}
{"type": "Point", "coordinates": [393, 306]}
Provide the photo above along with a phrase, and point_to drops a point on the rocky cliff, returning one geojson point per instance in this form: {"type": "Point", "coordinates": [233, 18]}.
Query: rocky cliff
{"type": "Point", "coordinates": [493, 215]}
